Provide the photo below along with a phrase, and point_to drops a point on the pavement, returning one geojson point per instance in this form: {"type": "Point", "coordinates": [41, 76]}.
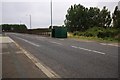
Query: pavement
{"type": "Point", "coordinates": [58, 58]}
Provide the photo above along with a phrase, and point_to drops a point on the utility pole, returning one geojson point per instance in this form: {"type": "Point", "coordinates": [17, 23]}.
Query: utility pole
{"type": "Point", "coordinates": [119, 5]}
{"type": "Point", "coordinates": [51, 13]}
{"type": "Point", "coordinates": [30, 22]}
{"type": "Point", "coordinates": [20, 22]}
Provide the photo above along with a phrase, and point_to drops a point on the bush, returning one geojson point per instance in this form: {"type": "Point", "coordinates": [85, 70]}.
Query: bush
{"type": "Point", "coordinates": [81, 33]}
{"type": "Point", "coordinates": [93, 32]}
{"type": "Point", "coordinates": [109, 32]}
{"type": "Point", "coordinates": [75, 33]}
{"type": "Point", "coordinates": [88, 34]}
{"type": "Point", "coordinates": [100, 33]}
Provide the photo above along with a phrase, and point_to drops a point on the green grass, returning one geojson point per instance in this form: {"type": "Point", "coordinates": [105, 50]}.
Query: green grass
{"type": "Point", "coordinates": [108, 40]}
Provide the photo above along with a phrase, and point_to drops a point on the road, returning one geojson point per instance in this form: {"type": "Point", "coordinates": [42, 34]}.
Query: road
{"type": "Point", "coordinates": [15, 64]}
{"type": "Point", "coordinates": [70, 58]}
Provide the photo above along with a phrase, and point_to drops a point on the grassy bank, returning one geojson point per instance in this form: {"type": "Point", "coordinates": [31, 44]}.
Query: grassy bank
{"type": "Point", "coordinates": [97, 34]}
{"type": "Point", "coordinates": [107, 40]}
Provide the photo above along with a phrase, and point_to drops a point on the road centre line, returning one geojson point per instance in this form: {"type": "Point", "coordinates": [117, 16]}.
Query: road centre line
{"type": "Point", "coordinates": [88, 50]}
{"type": "Point", "coordinates": [29, 42]}
{"type": "Point", "coordinates": [55, 42]}
{"type": "Point", "coordinates": [61, 39]}
{"type": "Point", "coordinates": [113, 45]}
{"type": "Point", "coordinates": [103, 43]}
{"type": "Point", "coordinates": [109, 44]}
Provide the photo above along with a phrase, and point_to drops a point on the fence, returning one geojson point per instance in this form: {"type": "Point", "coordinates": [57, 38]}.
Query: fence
{"type": "Point", "coordinates": [43, 32]}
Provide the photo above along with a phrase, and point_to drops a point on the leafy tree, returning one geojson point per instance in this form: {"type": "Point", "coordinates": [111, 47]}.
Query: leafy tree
{"type": "Point", "coordinates": [116, 18]}
{"type": "Point", "coordinates": [104, 18]}
{"type": "Point", "coordinates": [76, 18]}
{"type": "Point", "coordinates": [13, 27]}
{"type": "Point", "coordinates": [93, 18]}
{"type": "Point", "coordinates": [79, 18]}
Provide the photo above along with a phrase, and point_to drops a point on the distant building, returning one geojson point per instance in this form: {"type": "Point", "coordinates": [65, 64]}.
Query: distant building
{"type": "Point", "coordinates": [119, 5]}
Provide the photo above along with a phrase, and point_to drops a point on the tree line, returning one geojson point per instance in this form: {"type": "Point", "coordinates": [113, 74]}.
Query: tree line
{"type": "Point", "coordinates": [13, 27]}
{"type": "Point", "coordinates": [80, 18]}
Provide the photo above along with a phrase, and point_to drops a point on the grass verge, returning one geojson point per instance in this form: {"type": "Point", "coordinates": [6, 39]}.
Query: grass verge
{"type": "Point", "coordinates": [106, 40]}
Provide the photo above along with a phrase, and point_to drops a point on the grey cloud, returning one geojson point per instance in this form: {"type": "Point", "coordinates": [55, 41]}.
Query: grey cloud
{"type": "Point", "coordinates": [14, 12]}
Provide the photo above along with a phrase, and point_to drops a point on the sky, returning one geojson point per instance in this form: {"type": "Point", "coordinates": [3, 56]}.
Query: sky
{"type": "Point", "coordinates": [18, 11]}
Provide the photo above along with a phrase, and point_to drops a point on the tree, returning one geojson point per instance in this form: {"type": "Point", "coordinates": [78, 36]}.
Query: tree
{"type": "Point", "coordinates": [93, 19]}
{"type": "Point", "coordinates": [79, 18]}
{"type": "Point", "coordinates": [104, 18]}
{"type": "Point", "coordinates": [14, 27]}
{"type": "Point", "coordinates": [76, 18]}
{"type": "Point", "coordinates": [116, 18]}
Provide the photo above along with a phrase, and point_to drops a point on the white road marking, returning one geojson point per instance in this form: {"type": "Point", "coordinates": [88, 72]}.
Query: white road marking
{"type": "Point", "coordinates": [28, 42]}
{"type": "Point", "coordinates": [88, 50]}
{"type": "Point", "coordinates": [55, 42]}
{"type": "Point", "coordinates": [61, 39]}
{"type": "Point", "coordinates": [103, 43]}
{"type": "Point", "coordinates": [46, 70]}
{"type": "Point", "coordinates": [113, 45]}
{"type": "Point", "coordinates": [19, 52]}
{"type": "Point", "coordinates": [109, 44]}
{"type": "Point", "coordinates": [82, 40]}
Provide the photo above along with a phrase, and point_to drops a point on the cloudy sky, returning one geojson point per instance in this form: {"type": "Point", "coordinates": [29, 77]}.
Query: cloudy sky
{"type": "Point", "coordinates": [18, 11]}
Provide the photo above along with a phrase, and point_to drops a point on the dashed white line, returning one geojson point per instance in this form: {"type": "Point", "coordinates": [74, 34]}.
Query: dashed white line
{"type": "Point", "coordinates": [29, 42]}
{"type": "Point", "coordinates": [61, 39]}
{"type": "Point", "coordinates": [82, 40]}
{"type": "Point", "coordinates": [88, 50]}
{"type": "Point", "coordinates": [19, 52]}
{"type": "Point", "coordinates": [103, 43]}
{"type": "Point", "coordinates": [74, 46]}
{"type": "Point", "coordinates": [109, 44]}
{"type": "Point", "coordinates": [113, 45]}
{"type": "Point", "coordinates": [55, 42]}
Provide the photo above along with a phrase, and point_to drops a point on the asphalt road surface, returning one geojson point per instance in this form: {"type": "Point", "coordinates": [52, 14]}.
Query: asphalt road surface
{"type": "Point", "coordinates": [69, 58]}
{"type": "Point", "coordinates": [15, 64]}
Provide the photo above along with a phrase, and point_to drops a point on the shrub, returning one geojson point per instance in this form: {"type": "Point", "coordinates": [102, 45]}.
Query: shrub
{"type": "Point", "coordinates": [104, 33]}
{"type": "Point", "coordinates": [93, 32]}
{"type": "Point", "coordinates": [109, 32]}
{"type": "Point", "coordinates": [75, 33]}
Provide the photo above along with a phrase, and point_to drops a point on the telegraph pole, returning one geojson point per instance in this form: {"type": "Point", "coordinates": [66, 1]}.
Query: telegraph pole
{"type": "Point", "coordinates": [51, 13]}
{"type": "Point", "coordinates": [119, 5]}
{"type": "Point", "coordinates": [30, 22]}
{"type": "Point", "coordinates": [20, 22]}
